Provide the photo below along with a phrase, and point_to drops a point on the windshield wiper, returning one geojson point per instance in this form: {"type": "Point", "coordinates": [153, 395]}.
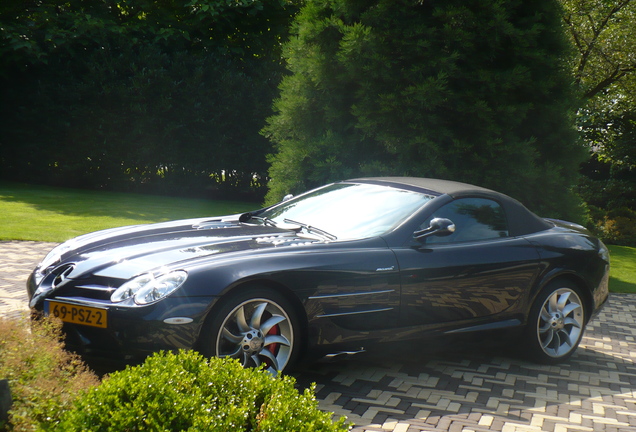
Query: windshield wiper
{"type": "Point", "coordinates": [264, 220]}
{"type": "Point", "coordinates": [246, 217]}
{"type": "Point", "coordinates": [312, 229]}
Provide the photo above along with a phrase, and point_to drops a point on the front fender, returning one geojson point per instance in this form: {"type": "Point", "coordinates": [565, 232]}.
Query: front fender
{"type": "Point", "coordinates": [351, 288]}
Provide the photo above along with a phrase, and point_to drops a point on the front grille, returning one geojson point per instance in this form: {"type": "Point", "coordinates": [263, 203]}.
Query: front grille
{"type": "Point", "coordinates": [93, 288]}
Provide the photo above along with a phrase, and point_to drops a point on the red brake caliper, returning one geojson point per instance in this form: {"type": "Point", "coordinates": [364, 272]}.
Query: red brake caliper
{"type": "Point", "coordinates": [273, 348]}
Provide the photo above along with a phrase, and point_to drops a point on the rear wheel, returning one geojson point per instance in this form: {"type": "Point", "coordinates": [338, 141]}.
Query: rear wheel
{"type": "Point", "coordinates": [256, 326]}
{"type": "Point", "coordinates": [556, 323]}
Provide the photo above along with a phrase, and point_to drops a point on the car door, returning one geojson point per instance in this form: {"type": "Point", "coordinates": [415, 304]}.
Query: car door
{"type": "Point", "coordinates": [478, 271]}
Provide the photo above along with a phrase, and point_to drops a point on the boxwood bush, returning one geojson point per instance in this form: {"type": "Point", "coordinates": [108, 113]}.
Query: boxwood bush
{"type": "Point", "coordinates": [187, 392]}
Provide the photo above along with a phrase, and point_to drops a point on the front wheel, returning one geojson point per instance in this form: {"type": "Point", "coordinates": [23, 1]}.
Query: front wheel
{"type": "Point", "coordinates": [556, 323]}
{"type": "Point", "coordinates": [257, 327]}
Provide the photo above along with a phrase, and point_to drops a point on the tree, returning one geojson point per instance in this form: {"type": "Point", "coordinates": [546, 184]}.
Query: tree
{"type": "Point", "coordinates": [467, 90]}
{"type": "Point", "coordinates": [152, 95]}
{"type": "Point", "coordinates": [603, 34]}
{"type": "Point", "coordinates": [604, 68]}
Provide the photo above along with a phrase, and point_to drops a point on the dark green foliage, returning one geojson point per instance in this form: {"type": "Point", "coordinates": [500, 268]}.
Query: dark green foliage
{"type": "Point", "coordinates": [603, 68]}
{"type": "Point", "coordinates": [611, 135]}
{"type": "Point", "coordinates": [139, 95]}
{"type": "Point", "coordinates": [185, 392]}
{"type": "Point", "coordinates": [608, 184]}
{"type": "Point", "coordinates": [609, 189]}
{"type": "Point", "coordinates": [467, 90]}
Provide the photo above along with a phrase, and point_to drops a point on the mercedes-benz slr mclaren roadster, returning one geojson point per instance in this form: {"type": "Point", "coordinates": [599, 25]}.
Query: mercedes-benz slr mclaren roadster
{"type": "Point", "coordinates": [348, 265]}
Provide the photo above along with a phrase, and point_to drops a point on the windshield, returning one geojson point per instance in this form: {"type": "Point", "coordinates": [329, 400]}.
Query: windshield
{"type": "Point", "coordinates": [349, 210]}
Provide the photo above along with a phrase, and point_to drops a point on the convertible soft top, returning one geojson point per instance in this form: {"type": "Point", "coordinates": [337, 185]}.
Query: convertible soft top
{"type": "Point", "coordinates": [521, 221]}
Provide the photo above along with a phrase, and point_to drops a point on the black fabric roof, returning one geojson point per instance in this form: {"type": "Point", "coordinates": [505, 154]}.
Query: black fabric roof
{"type": "Point", "coordinates": [426, 184]}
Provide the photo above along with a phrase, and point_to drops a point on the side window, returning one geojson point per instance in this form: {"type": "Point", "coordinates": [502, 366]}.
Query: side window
{"type": "Point", "coordinates": [474, 219]}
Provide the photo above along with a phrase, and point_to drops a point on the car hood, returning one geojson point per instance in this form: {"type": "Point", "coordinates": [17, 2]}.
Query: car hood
{"type": "Point", "coordinates": [125, 252]}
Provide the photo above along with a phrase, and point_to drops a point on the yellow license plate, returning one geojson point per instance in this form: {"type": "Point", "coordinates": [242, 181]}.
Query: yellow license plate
{"type": "Point", "coordinates": [76, 314]}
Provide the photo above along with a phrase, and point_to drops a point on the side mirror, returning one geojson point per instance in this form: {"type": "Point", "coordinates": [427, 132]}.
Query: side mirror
{"type": "Point", "coordinates": [438, 227]}
{"type": "Point", "coordinates": [287, 197]}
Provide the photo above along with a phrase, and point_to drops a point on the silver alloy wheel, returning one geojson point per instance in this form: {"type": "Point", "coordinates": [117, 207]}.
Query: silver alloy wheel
{"type": "Point", "coordinates": [257, 331]}
{"type": "Point", "coordinates": [560, 323]}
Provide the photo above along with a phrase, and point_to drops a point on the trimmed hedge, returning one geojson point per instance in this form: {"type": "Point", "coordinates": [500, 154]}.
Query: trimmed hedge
{"type": "Point", "coordinates": [187, 392]}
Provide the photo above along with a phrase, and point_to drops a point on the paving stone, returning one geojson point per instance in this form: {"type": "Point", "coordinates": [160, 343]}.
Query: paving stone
{"type": "Point", "coordinates": [472, 390]}
{"type": "Point", "coordinates": [593, 391]}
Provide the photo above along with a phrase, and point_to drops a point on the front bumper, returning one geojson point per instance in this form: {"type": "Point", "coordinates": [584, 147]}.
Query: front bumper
{"type": "Point", "coordinates": [133, 333]}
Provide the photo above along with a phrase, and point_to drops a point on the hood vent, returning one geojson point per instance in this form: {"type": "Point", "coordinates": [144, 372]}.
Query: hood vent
{"type": "Point", "coordinates": [284, 241]}
{"type": "Point", "coordinates": [214, 224]}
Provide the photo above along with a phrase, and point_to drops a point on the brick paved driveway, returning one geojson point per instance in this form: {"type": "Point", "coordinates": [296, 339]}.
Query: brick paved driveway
{"type": "Point", "coordinates": [408, 389]}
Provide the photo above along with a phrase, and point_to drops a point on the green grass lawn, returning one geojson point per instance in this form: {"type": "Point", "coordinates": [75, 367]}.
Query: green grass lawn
{"type": "Point", "coordinates": [52, 214]}
{"type": "Point", "coordinates": [42, 213]}
{"type": "Point", "coordinates": [623, 272]}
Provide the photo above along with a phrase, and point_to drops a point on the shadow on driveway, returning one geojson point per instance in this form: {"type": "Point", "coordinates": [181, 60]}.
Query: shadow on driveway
{"type": "Point", "coordinates": [406, 388]}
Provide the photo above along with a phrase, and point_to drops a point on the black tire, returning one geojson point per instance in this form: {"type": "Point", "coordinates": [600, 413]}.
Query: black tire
{"type": "Point", "coordinates": [556, 323]}
{"type": "Point", "coordinates": [256, 326]}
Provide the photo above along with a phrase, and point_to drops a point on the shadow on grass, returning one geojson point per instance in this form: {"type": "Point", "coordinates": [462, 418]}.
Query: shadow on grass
{"type": "Point", "coordinates": [85, 203]}
{"type": "Point", "coordinates": [620, 286]}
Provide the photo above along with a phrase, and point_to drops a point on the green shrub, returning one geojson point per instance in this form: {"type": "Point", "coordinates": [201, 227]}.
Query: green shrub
{"type": "Point", "coordinates": [186, 392]}
{"type": "Point", "coordinates": [618, 227]}
{"type": "Point", "coordinates": [610, 193]}
{"type": "Point", "coordinates": [44, 379]}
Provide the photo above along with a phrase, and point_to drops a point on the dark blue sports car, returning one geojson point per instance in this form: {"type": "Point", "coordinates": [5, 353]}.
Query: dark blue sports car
{"type": "Point", "coordinates": [347, 265]}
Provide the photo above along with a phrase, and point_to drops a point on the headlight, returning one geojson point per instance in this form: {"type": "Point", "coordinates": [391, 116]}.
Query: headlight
{"type": "Point", "coordinates": [148, 288]}
{"type": "Point", "coordinates": [130, 288]}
